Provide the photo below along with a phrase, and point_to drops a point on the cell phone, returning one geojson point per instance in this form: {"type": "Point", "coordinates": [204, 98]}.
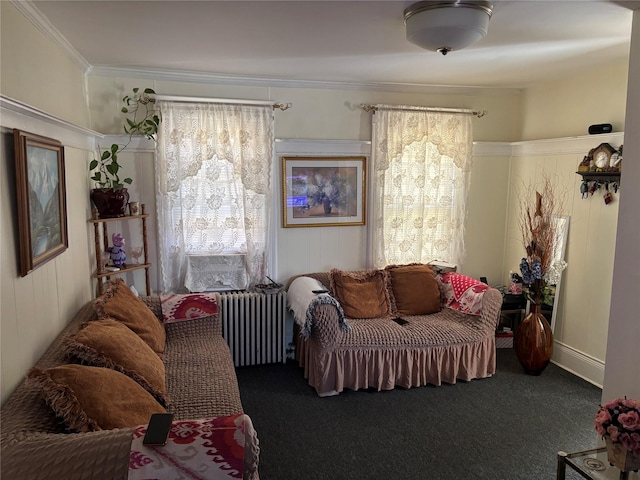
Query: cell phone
{"type": "Point", "coordinates": [319, 291]}
{"type": "Point", "coordinates": [158, 429]}
{"type": "Point", "coordinates": [400, 321]}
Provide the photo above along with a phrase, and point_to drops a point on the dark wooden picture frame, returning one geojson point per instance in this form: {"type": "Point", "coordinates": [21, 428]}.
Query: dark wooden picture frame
{"type": "Point", "coordinates": [42, 205]}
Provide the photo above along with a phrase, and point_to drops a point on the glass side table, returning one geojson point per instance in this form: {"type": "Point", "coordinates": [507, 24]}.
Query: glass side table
{"type": "Point", "coordinates": [592, 464]}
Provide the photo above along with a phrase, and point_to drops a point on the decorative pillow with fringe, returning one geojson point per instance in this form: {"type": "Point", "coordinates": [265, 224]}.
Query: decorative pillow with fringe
{"type": "Point", "coordinates": [362, 294]}
{"type": "Point", "coordinates": [108, 343]}
{"type": "Point", "coordinates": [414, 289]}
{"type": "Point", "coordinates": [94, 398]}
{"type": "Point", "coordinates": [119, 302]}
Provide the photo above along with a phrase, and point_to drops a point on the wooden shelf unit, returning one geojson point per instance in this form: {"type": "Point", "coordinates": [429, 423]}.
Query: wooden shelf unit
{"type": "Point", "coordinates": [100, 229]}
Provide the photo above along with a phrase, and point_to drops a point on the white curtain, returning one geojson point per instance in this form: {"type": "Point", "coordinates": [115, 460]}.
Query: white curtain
{"type": "Point", "coordinates": [421, 165]}
{"type": "Point", "coordinates": [213, 179]}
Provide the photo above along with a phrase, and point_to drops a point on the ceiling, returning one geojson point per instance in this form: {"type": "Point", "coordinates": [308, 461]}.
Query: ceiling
{"type": "Point", "coordinates": [357, 42]}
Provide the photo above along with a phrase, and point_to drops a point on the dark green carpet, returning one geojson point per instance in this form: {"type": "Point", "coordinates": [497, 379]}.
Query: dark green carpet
{"type": "Point", "coordinates": [506, 427]}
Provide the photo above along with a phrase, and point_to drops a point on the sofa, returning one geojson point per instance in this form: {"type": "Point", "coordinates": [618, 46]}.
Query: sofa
{"type": "Point", "coordinates": [404, 325]}
{"type": "Point", "coordinates": [82, 411]}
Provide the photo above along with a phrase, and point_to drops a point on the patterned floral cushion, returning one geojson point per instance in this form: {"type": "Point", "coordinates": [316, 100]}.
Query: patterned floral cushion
{"type": "Point", "coordinates": [462, 293]}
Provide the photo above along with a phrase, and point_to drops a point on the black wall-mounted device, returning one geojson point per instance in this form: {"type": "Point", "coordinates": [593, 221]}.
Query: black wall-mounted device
{"type": "Point", "coordinates": [600, 128]}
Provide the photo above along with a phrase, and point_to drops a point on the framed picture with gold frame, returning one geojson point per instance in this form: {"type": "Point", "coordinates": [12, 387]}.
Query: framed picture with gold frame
{"type": "Point", "coordinates": [323, 191]}
{"type": "Point", "coordinates": [41, 199]}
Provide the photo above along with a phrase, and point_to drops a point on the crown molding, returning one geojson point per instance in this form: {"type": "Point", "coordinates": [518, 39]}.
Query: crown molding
{"type": "Point", "coordinates": [35, 16]}
{"type": "Point", "coordinates": [249, 81]}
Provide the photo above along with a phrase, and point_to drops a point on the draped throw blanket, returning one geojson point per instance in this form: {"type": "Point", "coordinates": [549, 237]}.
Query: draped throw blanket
{"type": "Point", "coordinates": [213, 176]}
{"type": "Point", "coordinates": [179, 308]}
{"type": "Point", "coordinates": [302, 302]}
{"type": "Point", "coordinates": [462, 293]}
{"type": "Point", "coordinates": [211, 448]}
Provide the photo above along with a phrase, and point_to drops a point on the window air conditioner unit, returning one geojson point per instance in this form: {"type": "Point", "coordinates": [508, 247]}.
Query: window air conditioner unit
{"type": "Point", "coordinates": [216, 273]}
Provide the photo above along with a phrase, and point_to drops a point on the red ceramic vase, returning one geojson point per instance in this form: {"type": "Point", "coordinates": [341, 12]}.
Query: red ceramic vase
{"type": "Point", "coordinates": [110, 203]}
{"type": "Point", "coordinates": [534, 342]}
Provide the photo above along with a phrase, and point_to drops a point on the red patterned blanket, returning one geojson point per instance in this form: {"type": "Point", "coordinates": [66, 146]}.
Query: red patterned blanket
{"type": "Point", "coordinates": [462, 293]}
{"type": "Point", "coordinates": [177, 308]}
{"type": "Point", "coordinates": [211, 449]}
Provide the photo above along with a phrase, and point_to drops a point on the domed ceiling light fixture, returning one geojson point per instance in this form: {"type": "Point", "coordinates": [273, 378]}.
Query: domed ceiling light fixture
{"type": "Point", "coordinates": [443, 26]}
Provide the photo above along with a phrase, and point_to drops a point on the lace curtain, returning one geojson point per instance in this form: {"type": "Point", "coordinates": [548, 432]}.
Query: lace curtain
{"type": "Point", "coordinates": [213, 173]}
{"type": "Point", "coordinates": [421, 165]}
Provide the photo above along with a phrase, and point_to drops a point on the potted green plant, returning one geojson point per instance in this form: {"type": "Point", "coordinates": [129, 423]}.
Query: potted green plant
{"type": "Point", "coordinates": [110, 195]}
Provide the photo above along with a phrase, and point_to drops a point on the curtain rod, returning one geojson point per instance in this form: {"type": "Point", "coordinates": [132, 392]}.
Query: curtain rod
{"type": "Point", "coordinates": [374, 108]}
{"type": "Point", "coordinates": [235, 101]}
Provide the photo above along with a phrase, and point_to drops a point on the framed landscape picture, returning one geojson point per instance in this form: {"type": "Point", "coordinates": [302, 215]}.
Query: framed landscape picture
{"type": "Point", "coordinates": [323, 191]}
{"type": "Point", "coordinates": [42, 207]}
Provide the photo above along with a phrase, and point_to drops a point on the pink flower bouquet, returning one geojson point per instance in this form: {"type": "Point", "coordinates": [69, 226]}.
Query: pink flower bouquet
{"type": "Point", "coordinates": [620, 421]}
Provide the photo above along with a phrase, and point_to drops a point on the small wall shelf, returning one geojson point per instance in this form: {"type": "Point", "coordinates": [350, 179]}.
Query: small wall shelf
{"type": "Point", "coordinates": [100, 224]}
{"type": "Point", "coordinates": [600, 176]}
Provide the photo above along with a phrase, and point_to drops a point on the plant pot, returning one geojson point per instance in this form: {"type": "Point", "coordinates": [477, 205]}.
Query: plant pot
{"type": "Point", "coordinates": [622, 458]}
{"type": "Point", "coordinates": [110, 203]}
{"type": "Point", "coordinates": [534, 342]}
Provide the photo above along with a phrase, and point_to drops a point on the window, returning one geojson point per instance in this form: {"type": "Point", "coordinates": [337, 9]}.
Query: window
{"type": "Point", "coordinates": [213, 169]}
{"type": "Point", "coordinates": [421, 163]}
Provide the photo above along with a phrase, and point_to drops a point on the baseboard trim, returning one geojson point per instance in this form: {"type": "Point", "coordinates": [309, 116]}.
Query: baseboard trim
{"type": "Point", "coordinates": [579, 363]}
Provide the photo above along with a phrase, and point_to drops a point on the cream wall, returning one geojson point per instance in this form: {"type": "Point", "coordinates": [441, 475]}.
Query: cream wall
{"type": "Point", "coordinates": [622, 373]}
{"type": "Point", "coordinates": [37, 71]}
{"type": "Point", "coordinates": [36, 307]}
{"type": "Point", "coordinates": [566, 107]}
{"type": "Point", "coordinates": [583, 303]}
{"type": "Point", "coordinates": [335, 114]}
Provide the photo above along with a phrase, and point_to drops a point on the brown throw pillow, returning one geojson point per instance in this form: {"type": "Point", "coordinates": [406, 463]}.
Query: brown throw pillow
{"type": "Point", "coordinates": [414, 289]}
{"type": "Point", "coordinates": [119, 302]}
{"type": "Point", "coordinates": [94, 398]}
{"type": "Point", "coordinates": [361, 294]}
{"type": "Point", "coordinates": [108, 343]}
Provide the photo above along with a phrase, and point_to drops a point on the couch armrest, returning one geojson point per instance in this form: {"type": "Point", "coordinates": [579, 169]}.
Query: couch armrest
{"type": "Point", "coordinates": [104, 454]}
{"type": "Point", "coordinates": [327, 329]}
{"type": "Point", "coordinates": [72, 456]}
{"type": "Point", "coordinates": [319, 315]}
{"type": "Point", "coordinates": [491, 305]}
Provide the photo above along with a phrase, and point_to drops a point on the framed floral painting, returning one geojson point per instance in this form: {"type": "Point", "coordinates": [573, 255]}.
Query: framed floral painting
{"type": "Point", "coordinates": [323, 191]}
{"type": "Point", "coordinates": [41, 199]}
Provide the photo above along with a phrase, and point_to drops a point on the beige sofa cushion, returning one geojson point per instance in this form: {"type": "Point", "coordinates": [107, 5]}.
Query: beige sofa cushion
{"type": "Point", "coordinates": [94, 398]}
{"type": "Point", "coordinates": [108, 343]}
{"type": "Point", "coordinates": [119, 302]}
{"type": "Point", "coordinates": [361, 294]}
{"type": "Point", "coordinates": [414, 289]}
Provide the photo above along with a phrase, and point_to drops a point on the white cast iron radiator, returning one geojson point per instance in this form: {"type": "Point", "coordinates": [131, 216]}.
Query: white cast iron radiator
{"type": "Point", "coordinates": [253, 326]}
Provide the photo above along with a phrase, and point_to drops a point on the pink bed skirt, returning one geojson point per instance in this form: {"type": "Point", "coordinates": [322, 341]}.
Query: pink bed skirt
{"type": "Point", "coordinates": [383, 369]}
